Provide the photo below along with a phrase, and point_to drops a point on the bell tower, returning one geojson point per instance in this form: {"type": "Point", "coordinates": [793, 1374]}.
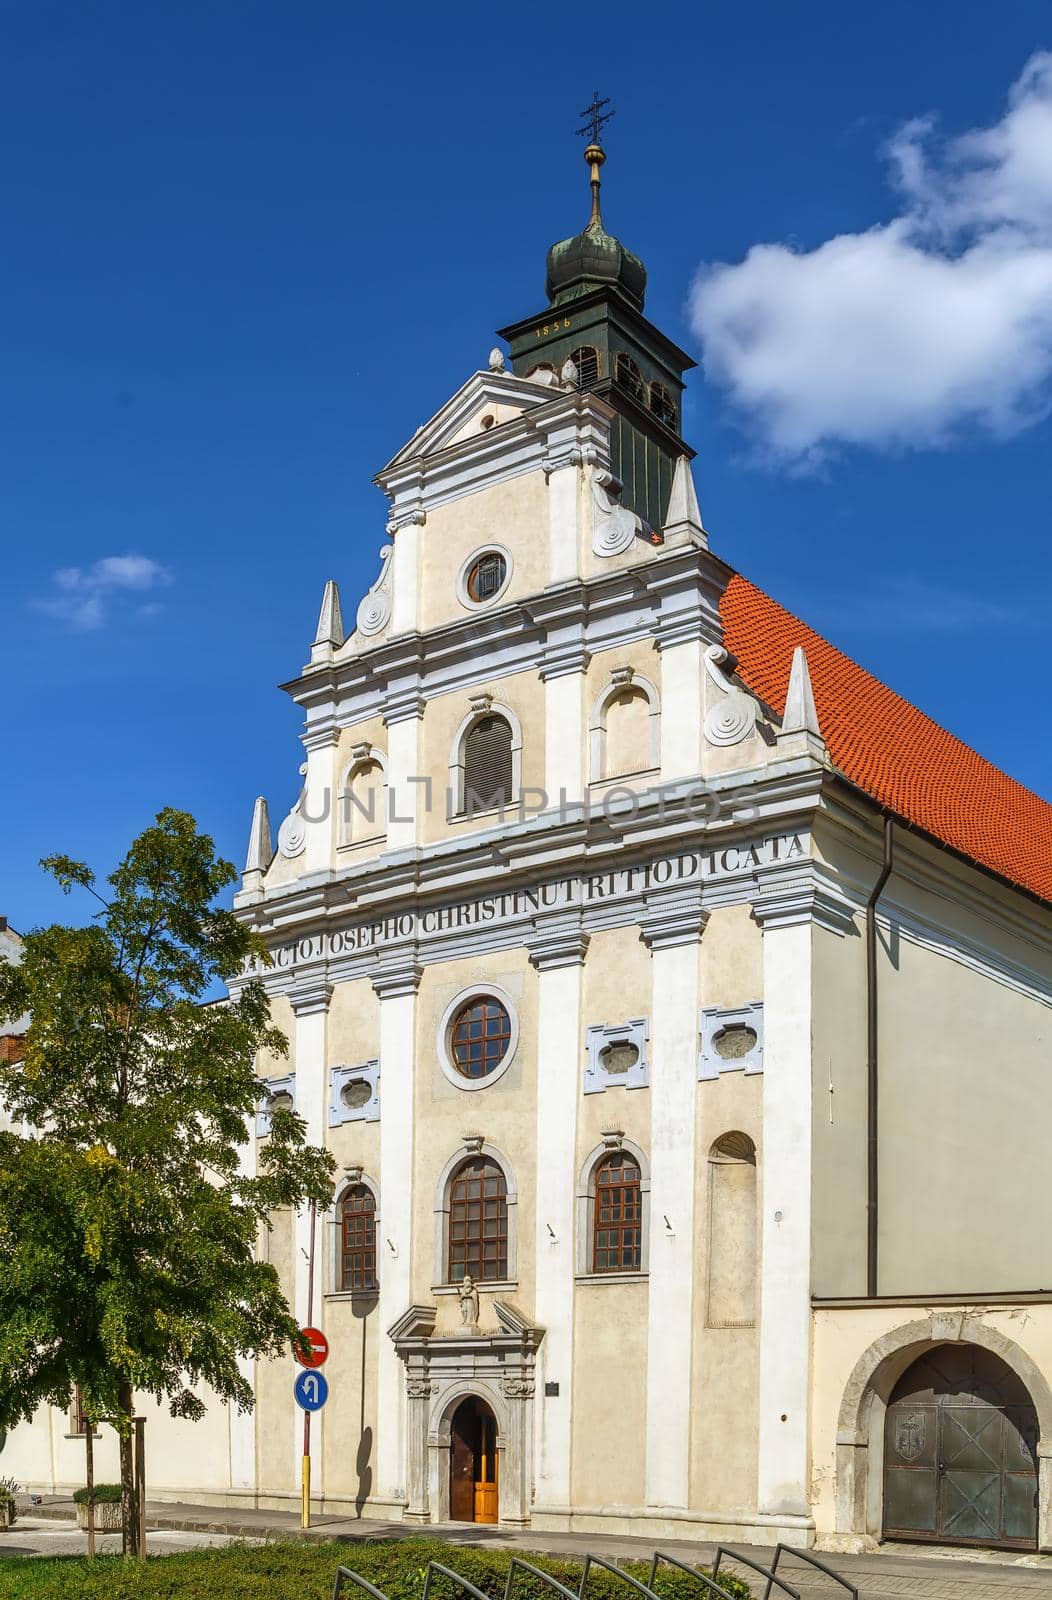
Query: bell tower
{"type": "Point", "coordinates": [594, 318]}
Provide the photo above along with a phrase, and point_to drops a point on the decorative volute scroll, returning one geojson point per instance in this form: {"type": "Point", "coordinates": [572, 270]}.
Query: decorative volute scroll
{"type": "Point", "coordinates": [292, 835]}
{"type": "Point", "coordinates": [374, 611]}
{"type": "Point", "coordinates": [733, 717]}
{"type": "Point", "coordinates": [614, 527]}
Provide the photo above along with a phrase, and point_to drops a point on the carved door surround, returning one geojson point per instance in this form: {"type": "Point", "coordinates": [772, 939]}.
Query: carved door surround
{"type": "Point", "coordinates": [498, 1367]}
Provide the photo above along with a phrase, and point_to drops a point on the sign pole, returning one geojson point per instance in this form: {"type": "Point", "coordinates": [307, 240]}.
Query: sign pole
{"type": "Point", "coordinates": [305, 1506]}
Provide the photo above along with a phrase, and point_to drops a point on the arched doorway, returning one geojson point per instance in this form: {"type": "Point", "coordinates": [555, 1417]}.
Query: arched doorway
{"type": "Point", "coordinates": [960, 1452]}
{"type": "Point", "coordinates": [473, 1462]}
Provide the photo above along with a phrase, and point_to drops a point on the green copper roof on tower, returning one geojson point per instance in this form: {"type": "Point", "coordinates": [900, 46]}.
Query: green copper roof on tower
{"type": "Point", "coordinates": [594, 258]}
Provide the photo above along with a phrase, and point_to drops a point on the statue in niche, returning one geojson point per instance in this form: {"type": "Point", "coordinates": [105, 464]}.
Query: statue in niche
{"type": "Point", "coordinates": [468, 1296]}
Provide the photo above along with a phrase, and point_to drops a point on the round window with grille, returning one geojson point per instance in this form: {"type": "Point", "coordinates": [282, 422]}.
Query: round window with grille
{"type": "Point", "coordinates": [479, 1036]}
{"type": "Point", "coordinates": [486, 576]}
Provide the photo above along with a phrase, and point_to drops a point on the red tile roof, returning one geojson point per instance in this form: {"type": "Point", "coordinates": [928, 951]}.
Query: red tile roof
{"type": "Point", "coordinates": [900, 757]}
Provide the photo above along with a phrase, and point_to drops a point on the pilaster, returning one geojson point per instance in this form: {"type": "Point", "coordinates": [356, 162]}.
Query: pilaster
{"type": "Point", "coordinates": [671, 927]}
{"type": "Point", "coordinates": [406, 793]}
{"type": "Point", "coordinates": [785, 910]}
{"type": "Point", "coordinates": [318, 804]}
{"type": "Point", "coordinates": [558, 953]}
{"type": "Point", "coordinates": [395, 982]}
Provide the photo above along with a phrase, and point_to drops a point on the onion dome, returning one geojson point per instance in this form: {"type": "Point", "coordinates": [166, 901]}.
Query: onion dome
{"type": "Point", "coordinates": [594, 258]}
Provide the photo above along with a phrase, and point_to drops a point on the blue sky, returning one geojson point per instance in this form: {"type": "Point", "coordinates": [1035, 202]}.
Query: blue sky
{"type": "Point", "coordinates": [249, 247]}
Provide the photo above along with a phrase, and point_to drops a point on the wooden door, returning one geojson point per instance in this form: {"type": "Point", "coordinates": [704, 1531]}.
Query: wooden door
{"type": "Point", "coordinates": [960, 1461]}
{"type": "Point", "coordinates": [463, 1433]}
{"type": "Point", "coordinates": [486, 1471]}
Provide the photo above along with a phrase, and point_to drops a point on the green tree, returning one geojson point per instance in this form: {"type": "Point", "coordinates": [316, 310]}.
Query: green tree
{"type": "Point", "coordinates": [128, 1230]}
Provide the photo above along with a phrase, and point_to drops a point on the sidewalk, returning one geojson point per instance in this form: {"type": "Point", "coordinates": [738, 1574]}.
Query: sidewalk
{"type": "Point", "coordinates": [897, 1572]}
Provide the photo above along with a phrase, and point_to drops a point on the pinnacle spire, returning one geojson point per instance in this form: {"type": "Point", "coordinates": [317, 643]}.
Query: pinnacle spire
{"type": "Point", "coordinates": [684, 513]}
{"type": "Point", "coordinates": [260, 850]}
{"type": "Point", "coordinates": [330, 618]}
{"type": "Point", "coordinates": [801, 715]}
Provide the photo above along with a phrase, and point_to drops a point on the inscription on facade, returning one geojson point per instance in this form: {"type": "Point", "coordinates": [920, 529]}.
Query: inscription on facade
{"type": "Point", "coordinates": [580, 890]}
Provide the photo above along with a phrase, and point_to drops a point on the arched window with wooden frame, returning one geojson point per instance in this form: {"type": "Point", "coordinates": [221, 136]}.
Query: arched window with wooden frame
{"type": "Point", "coordinates": [586, 359]}
{"type": "Point", "coordinates": [478, 1222]}
{"type": "Point", "coordinates": [486, 760]}
{"type": "Point", "coordinates": [617, 1215]}
{"type": "Point", "coordinates": [662, 404]}
{"type": "Point", "coordinates": [629, 376]}
{"type": "Point", "coordinates": [357, 1240]}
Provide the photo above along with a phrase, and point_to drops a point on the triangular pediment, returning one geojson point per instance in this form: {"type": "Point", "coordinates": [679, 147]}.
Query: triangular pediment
{"type": "Point", "coordinates": [500, 395]}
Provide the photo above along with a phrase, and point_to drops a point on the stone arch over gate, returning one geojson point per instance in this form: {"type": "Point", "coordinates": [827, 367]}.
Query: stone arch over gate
{"type": "Point", "coordinates": [860, 1427]}
{"type": "Point", "coordinates": [439, 1441]}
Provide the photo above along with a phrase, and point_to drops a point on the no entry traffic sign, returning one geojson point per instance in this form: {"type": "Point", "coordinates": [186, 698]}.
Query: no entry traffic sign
{"type": "Point", "coordinates": [319, 1348]}
{"type": "Point", "coordinates": [311, 1391]}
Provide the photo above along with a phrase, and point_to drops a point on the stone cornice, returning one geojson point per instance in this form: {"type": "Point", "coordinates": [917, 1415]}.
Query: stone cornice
{"type": "Point", "coordinates": [558, 942]}
{"type": "Point", "coordinates": [670, 597]}
{"type": "Point", "coordinates": [791, 893]}
{"type": "Point", "coordinates": [310, 995]}
{"type": "Point", "coordinates": [673, 919]}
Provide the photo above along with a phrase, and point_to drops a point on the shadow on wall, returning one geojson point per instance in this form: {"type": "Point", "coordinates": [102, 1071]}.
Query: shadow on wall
{"type": "Point", "coordinates": [364, 1470]}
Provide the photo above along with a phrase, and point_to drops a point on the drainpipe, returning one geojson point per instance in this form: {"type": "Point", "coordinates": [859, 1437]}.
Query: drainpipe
{"type": "Point", "coordinates": [872, 1072]}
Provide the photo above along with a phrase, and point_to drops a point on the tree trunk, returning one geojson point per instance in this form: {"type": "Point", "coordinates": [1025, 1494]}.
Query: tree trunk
{"type": "Point", "coordinates": [129, 1510]}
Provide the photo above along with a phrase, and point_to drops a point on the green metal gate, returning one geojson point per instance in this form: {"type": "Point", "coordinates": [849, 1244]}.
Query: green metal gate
{"type": "Point", "coordinates": [960, 1453]}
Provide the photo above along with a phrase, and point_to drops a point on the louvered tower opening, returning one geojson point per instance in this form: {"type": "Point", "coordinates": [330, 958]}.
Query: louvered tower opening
{"type": "Point", "coordinates": [487, 765]}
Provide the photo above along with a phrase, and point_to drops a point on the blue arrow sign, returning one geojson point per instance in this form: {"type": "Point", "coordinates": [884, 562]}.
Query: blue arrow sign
{"type": "Point", "coordinates": [311, 1391]}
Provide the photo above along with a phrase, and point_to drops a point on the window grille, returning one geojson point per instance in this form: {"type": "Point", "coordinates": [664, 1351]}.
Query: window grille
{"type": "Point", "coordinates": [617, 1216]}
{"type": "Point", "coordinates": [630, 377]}
{"type": "Point", "coordinates": [487, 764]}
{"type": "Point", "coordinates": [487, 576]}
{"type": "Point", "coordinates": [358, 1239]}
{"type": "Point", "coordinates": [478, 1222]}
{"type": "Point", "coordinates": [662, 404]}
{"type": "Point", "coordinates": [586, 359]}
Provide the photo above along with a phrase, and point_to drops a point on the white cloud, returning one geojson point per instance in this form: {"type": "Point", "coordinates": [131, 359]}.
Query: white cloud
{"type": "Point", "coordinates": [84, 595]}
{"type": "Point", "coordinates": [903, 335]}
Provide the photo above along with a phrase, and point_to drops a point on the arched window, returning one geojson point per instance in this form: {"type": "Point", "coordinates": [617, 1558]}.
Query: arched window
{"type": "Point", "coordinates": [617, 1232]}
{"type": "Point", "coordinates": [363, 803]}
{"type": "Point", "coordinates": [487, 764]}
{"type": "Point", "coordinates": [586, 359]}
{"type": "Point", "coordinates": [732, 1232]}
{"type": "Point", "coordinates": [662, 404]}
{"type": "Point", "coordinates": [357, 1239]}
{"type": "Point", "coordinates": [629, 376]}
{"type": "Point", "coordinates": [478, 1222]}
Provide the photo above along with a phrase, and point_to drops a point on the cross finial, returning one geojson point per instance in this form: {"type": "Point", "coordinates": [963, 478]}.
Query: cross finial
{"type": "Point", "coordinates": [595, 118]}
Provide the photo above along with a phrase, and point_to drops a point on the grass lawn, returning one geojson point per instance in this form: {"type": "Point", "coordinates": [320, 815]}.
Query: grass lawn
{"type": "Point", "coordinates": [306, 1570]}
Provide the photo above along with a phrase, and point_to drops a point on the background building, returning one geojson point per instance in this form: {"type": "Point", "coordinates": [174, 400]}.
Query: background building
{"type": "Point", "coordinates": [647, 962]}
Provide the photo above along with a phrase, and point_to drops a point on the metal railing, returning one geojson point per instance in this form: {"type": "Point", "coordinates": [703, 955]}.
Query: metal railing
{"type": "Point", "coordinates": [812, 1561]}
{"type": "Point", "coordinates": [518, 1565]}
{"type": "Point", "coordinates": [591, 1561]}
{"type": "Point", "coordinates": [709, 1584]}
{"type": "Point", "coordinates": [764, 1572]}
{"type": "Point", "coordinates": [434, 1567]}
{"type": "Point", "coordinates": [346, 1580]}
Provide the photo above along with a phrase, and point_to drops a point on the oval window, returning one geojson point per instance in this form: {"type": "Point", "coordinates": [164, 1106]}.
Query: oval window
{"type": "Point", "coordinates": [479, 1036]}
{"type": "Point", "coordinates": [282, 1101]}
{"type": "Point", "coordinates": [486, 576]}
{"type": "Point", "coordinates": [357, 1093]}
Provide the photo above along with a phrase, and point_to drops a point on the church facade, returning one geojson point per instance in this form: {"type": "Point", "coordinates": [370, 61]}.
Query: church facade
{"type": "Point", "coordinates": [675, 999]}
